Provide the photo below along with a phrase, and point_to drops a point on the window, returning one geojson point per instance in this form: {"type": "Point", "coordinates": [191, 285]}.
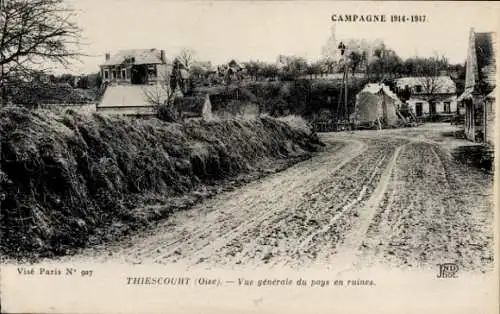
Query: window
{"type": "Point", "coordinates": [418, 88]}
{"type": "Point", "coordinates": [124, 73]}
{"type": "Point", "coordinates": [106, 74]}
{"type": "Point", "coordinates": [447, 107]}
{"type": "Point", "coordinates": [113, 75]}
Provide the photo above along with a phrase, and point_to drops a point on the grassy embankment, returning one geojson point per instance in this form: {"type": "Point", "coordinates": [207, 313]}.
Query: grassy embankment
{"type": "Point", "coordinates": [69, 180]}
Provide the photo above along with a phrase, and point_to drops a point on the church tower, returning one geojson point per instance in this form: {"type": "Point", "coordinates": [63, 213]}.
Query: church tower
{"type": "Point", "coordinates": [330, 50]}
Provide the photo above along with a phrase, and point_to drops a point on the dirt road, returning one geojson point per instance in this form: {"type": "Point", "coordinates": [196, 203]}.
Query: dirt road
{"type": "Point", "coordinates": [393, 197]}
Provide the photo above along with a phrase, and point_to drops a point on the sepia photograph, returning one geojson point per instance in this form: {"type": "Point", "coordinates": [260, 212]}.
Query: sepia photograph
{"type": "Point", "coordinates": [248, 156]}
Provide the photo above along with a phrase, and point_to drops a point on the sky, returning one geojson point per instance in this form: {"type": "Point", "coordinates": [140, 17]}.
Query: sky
{"type": "Point", "coordinates": [261, 30]}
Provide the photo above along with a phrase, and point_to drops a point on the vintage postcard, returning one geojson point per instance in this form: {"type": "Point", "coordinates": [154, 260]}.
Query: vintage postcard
{"type": "Point", "coordinates": [248, 156]}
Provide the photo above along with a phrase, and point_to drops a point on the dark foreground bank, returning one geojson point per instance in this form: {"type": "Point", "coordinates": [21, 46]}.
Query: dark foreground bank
{"type": "Point", "coordinates": [69, 180]}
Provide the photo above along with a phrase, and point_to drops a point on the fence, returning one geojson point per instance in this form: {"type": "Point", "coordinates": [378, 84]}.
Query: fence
{"type": "Point", "coordinates": [330, 126]}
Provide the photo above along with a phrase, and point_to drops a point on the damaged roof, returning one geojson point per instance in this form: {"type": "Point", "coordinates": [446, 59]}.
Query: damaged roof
{"type": "Point", "coordinates": [374, 88]}
{"type": "Point", "coordinates": [139, 56]}
{"type": "Point", "coordinates": [235, 65]}
{"type": "Point", "coordinates": [438, 84]}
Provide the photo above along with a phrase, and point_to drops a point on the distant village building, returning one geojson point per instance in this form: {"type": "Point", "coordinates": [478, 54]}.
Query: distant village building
{"type": "Point", "coordinates": [330, 50]}
{"type": "Point", "coordinates": [376, 104]}
{"type": "Point", "coordinates": [233, 70]}
{"type": "Point", "coordinates": [203, 70]}
{"type": "Point", "coordinates": [429, 95]}
{"type": "Point", "coordinates": [138, 80]}
{"type": "Point", "coordinates": [480, 87]}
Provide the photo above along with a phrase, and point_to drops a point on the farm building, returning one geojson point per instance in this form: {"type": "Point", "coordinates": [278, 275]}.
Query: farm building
{"type": "Point", "coordinates": [480, 86]}
{"type": "Point", "coordinates": [376, 103]}
{"type": "Point", "coordinates": [430, 95]}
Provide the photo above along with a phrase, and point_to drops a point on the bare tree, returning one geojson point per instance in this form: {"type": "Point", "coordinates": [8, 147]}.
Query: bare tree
{"type": "Point", "coordinates": [430, 85]}
{"type": "Point", "coordinates": [430, 80]}
{"type": "Point", "coordinates": [162, 95]}
{"type": "Point", "coordinates": [186, 56]}
{"type": "Point", "coordinates": [34, 33]}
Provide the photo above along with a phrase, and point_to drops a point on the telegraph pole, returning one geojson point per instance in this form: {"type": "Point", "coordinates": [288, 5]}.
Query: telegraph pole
{"type": "Point", "coordinates": [346, 81]}
{"type": "Point", "coordinates": [344, 84]}
{"type": "Point", "coordinates": [3, 99]}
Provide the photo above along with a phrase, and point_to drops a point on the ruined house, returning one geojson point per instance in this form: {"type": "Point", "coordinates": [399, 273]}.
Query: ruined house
{"type": "Point", "coordinates": [232, 71]}
{"type": "Point", "coordinates": [376, 104]}
{"type": "Point", "coordinates": [430, 95]}
{"type": "Point", "coordinates": [136, 81]}
{"type": "Point", "coordinates": [479, 97]}
{"type": "Point", "coordinates": [135, 66]}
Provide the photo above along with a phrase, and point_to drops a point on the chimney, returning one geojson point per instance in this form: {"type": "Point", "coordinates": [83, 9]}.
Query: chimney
{"type": "Point", "coordinates": [162, 56]}
{"type": "Point", "coordinates": [107, 56]}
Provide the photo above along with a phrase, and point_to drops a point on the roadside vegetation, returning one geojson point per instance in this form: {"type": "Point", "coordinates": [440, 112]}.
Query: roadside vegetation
{"type": "Point", "coordinates": [68, 179]}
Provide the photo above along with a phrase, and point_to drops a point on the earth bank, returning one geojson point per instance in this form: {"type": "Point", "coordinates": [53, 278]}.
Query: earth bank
{"type": "Point", "coordinates": [69, 180]}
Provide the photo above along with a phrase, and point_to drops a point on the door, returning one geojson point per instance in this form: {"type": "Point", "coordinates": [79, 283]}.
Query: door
{"type": "Point", "coordinates": [432, 108]}
{"type": "Point", "coordinates": [418, 109]}
{"type": "Point", "coordinates": [139, 74]}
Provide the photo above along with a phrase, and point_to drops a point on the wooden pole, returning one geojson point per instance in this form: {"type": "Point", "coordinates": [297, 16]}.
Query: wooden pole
{"type": "Point", "coordinates": [346, 113]}
{"type": "Point", "coordinates": [3, 96]}
{"type": "Point", "coordinates": [485, 120]}
{"type": "Point", "coordinates": [339, 101]}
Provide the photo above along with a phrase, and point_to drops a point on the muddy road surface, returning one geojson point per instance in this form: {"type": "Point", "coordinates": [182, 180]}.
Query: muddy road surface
{"type": "Point", "coordinates": [394, 198]}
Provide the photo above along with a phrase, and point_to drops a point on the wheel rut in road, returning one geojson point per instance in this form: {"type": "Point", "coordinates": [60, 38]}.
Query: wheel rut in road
{"type": "Point", "coordinates": [311, 225]}
{"type": "Point", "coordinates": [431, 214]}
{"type": "Point", "coordinates": [367, 199]}
{"type": "Point", "coordinates": [347, 252]}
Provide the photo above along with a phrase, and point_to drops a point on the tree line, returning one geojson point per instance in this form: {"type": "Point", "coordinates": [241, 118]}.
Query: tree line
{"type": "Point", "coordinates": [37, 33]}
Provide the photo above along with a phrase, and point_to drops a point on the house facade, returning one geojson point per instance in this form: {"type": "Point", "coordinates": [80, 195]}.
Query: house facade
{"type": "Point", "coordinates": [479, 96]}
{"type": "Point", "coordinates": [136, 81]}
{"type": "Point", "coordinates": [429, 95]}
{"type": "Point", "coordinates": [135, 66]}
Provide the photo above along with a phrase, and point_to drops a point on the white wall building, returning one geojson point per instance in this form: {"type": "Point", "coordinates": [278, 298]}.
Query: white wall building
{"type": "Point", "coordinates": [430, 95]}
